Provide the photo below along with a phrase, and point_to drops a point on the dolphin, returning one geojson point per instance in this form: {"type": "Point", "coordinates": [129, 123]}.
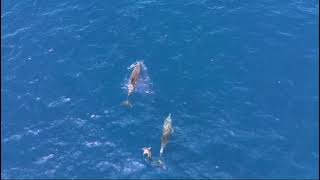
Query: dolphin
{"type": "Point", "coordinates": [133, 81]}
{"type": "Point", "coordinates": [134, 77]}
{"type": "Point", "coordinates": [147, 151]}
{"type": "Point", "coordinates": [166, 132]}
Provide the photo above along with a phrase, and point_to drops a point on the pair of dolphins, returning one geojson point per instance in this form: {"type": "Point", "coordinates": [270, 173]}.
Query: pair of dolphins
{"type": "Point", "coordinates": [166, 133]}
{"type": "Point", "coordinates": [167, 125]}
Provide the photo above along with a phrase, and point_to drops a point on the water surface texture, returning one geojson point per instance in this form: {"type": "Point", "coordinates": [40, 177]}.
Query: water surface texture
{"type": "Point", "coordinates": [240, 79]}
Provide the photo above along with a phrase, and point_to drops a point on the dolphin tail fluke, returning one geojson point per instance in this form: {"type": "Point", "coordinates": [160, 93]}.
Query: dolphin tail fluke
{"type": "Point", "coordinates": [129, 93]}
{"type": "Point", "coordinates": [161, 150]}
{"type": "Point", "coordinates": [127, 103]}
{"type": "Point", "coordinates": [163, 145]}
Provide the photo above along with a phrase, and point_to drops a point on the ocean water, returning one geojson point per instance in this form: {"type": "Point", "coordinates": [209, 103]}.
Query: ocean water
{"type": "Point", "coordinates": [240, 79]}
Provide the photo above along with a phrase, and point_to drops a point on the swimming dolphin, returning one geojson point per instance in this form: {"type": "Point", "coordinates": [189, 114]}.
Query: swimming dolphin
{"type": "Point", "coordinates": [147, 151]}
{"type": "Point", "coordinates": [133, 80]}
{"type": "Point", "coordinates": [134, 77]}
{"type": "Point", "coordinates": [166, 132]}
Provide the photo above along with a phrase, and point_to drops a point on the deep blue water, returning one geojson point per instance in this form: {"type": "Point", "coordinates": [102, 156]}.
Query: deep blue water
{"type": "Point", "coordinates": [239, 77]}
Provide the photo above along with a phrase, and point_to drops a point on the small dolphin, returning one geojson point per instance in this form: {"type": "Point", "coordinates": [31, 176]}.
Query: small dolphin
{"type": "Point", "coordinates": [147, 151]}
{"type": "Point", "coordinates": [166, 132]}
{"type": "Point", "coordinates": [133, 81]}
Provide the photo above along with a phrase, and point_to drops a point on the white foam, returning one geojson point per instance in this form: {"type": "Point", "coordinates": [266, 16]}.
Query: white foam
{"type": "Point", "coordinates": [66, 99]}
{"type": "Point", "coordinates": [79, 121]}
{"type": "Point", "coordinates": [132, 166]}
{"type": "Point", "coordinates": [94, 116]}
{"type": "Point", "coordinates": [36, 132]}
{"type": "Point", "coordinates": [33, 81]}
{"type": "Point", "coordinates": [44, 159]}
{"type": "Point", "coordinates": [135, 63]}
{"type": "Point", "coordinates": [105, 165]}
{"type": "Point", "coordinates": [61, 100]}
{"type": "Point", "coordinates": [92, 144]}
{"type": "Point", "coordinates": [15, 137]}
{"type": "Point", "coordinates": [110, 144]}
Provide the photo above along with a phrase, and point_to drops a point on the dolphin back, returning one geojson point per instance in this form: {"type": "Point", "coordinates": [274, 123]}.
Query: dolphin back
{"type": "Point", "coordinates": [167, 125]}
{"type": "Point", "coordinates": [166, 132]}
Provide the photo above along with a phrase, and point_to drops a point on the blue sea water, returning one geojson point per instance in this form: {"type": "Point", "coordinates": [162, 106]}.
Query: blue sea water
{"type": "Point", "coordinates": [240, 79]}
